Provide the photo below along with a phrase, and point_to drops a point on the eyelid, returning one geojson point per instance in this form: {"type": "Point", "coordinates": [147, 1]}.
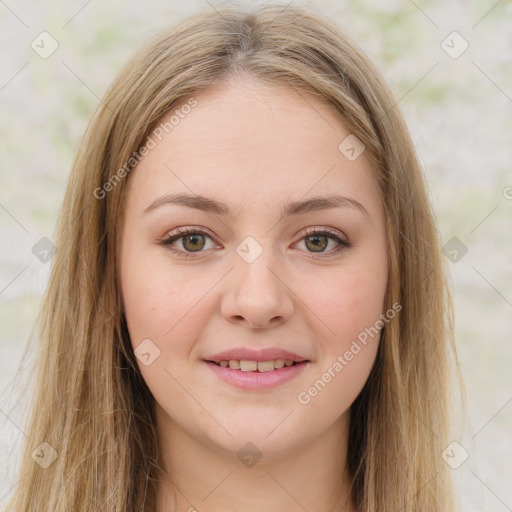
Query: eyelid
{"type": "Point", "coordinates": [201, 230]}
{"type": "Point", "coordinates": [176, 234]}
{"type": "Point", "coordinates": [188, 230]}
{"type": "Point", "coordinates": [319, 230]}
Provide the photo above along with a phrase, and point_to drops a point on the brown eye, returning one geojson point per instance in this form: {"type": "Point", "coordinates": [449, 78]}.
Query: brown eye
{"type": "Point", "coordinates": [189, 242]}
{"type": "Point", "coordinates": [193, 242]}
{"type": "Point", "coordinates": [317, 243]}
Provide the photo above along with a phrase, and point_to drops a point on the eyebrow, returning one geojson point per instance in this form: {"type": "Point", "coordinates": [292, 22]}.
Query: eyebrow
{"type": "Point", "coordinates": [208, 204]}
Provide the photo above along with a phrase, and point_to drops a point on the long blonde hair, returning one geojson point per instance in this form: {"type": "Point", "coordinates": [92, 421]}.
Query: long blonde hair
{"type": "Point", "coordinates": [90, 402]}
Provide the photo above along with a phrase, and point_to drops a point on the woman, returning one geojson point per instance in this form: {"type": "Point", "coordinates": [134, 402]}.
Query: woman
{"type": "Point", "coordinates": [297, 358]}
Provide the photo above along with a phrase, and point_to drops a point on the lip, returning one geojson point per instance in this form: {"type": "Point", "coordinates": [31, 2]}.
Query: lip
{"type": "Point", "coordinates": [258, 380]}
{"type": "Point", "coordinates": [264, 354]}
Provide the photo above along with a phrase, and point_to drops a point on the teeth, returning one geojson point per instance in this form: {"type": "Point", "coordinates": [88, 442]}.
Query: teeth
{"type": "Point", "coordinates": [248, 366]}
{"type": "Point", "coordinates": [265, 366]}
{"type": "Point", "coordinates": [252, 366]}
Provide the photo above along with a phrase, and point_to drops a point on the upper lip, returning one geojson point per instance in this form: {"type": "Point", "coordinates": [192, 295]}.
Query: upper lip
{"type": "Point", "coordinates": [258, 355]}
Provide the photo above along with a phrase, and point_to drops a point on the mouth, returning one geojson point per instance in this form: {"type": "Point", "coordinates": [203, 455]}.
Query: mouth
{"type": "Point", "coordinates": [257, 375]}
{"type": "Point", "coordinates": [246, 365]}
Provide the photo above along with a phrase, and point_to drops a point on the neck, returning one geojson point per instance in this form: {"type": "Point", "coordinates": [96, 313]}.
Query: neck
{"type": "Point", "coordinates": [203, 476]}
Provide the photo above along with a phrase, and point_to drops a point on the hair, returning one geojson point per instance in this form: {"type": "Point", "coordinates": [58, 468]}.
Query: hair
{"type": "Point", "coordinates": [89, 400]}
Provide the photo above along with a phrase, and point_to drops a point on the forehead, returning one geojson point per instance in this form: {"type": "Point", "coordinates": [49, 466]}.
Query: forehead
{"type": "Point", "coordinates": [243, 140]}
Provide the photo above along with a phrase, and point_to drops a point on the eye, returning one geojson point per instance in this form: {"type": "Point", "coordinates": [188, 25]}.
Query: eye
{"type": "Point", "coordinates": [192, 240]}
{"type": "Point", "coordinates": [317, 240]}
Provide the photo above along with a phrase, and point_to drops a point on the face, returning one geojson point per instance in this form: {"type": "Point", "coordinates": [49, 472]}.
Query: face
{"type": "Point", "coordinates": [197, 280]}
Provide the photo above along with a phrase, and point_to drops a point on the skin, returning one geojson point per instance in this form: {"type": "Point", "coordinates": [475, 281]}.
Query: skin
{"type": "Point", "coordinates": [253, 147]}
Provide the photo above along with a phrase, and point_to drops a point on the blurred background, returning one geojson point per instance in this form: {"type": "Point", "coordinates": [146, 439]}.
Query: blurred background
{"type": "Point", "coordinates": [450, 66]}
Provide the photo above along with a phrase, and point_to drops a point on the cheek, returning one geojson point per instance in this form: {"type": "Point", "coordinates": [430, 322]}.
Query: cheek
{"type": "Point", "coordinates": [331, 392]}
{"type": "Point", "coordinates": [163, 302]}
{"type": "Point", "coordinates": [349, 308]}
{"type": "Point", "coordinates": [346, 357]}
{"type": "Point", "coordinates": [348, 302]}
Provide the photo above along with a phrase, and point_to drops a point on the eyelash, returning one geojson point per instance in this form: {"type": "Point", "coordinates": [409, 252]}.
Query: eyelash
{"type": "Point", "coordinates": [309, 232]}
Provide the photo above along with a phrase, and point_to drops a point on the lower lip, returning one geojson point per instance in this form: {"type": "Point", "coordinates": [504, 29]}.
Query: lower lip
{"type": "Point", "coordinates": [258, 380]}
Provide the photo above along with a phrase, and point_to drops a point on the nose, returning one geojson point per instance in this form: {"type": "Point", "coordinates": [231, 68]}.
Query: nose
{"type": "Point", "coordinates": [257, 294]}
